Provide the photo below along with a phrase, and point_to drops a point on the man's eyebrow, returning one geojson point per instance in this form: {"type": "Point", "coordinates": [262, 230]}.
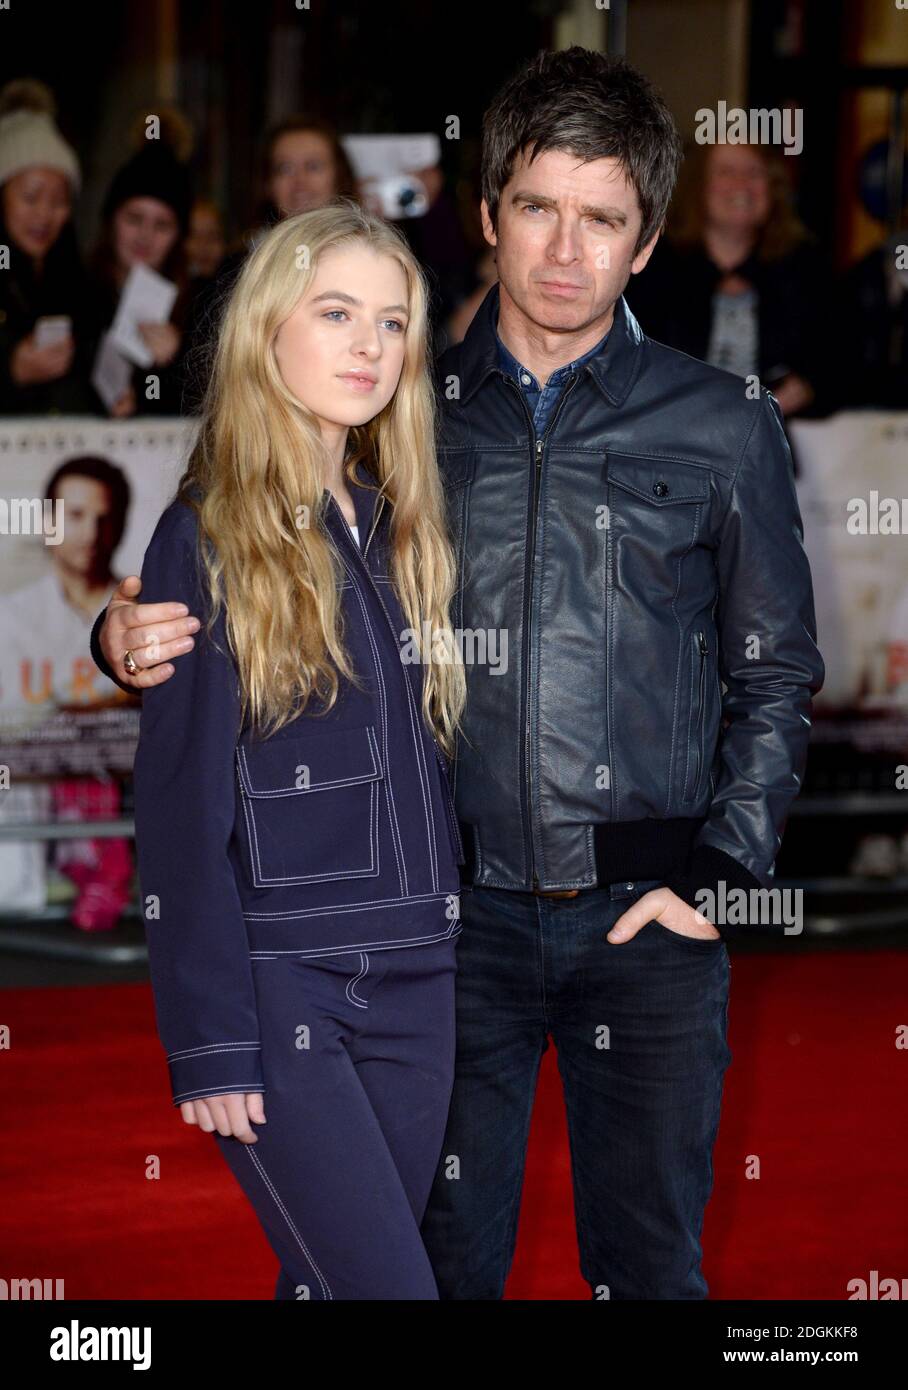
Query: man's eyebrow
{"type": "Point", "coordinates": [523, 196]}
{"type": "Point", "coordinates": [348, 299]}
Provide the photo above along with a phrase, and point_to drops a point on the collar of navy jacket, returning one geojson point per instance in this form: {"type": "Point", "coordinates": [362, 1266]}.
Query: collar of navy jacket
{"type": "Point", "coordinates": [335, 834]}
{"type": "Point", "coordinates": [373, 553]}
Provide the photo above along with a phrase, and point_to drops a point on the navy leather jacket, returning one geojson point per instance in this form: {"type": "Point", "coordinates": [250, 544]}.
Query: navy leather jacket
{"type": "Point", "coordinates": [645, 559]}
{"type": "Point", "coordinates": [335, 834]}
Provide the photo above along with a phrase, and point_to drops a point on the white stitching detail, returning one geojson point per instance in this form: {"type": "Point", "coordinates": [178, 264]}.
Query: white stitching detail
{"type": "Point", "coordinates": [397, 945]}
{"type": "Point", "coordinates": [421, 766]}
{"type": "Point", "coordinates": [322, 786]}
{"type": "Point", "coordinates": [381, 765]}
{"type": "Point", "coordinates": [341, 909]}
{"type": "Point", "coordinates": [213, 1047]}
{"type": "Point", "coordinates": [259, 879]}
{"type": "Point", "coordinates": [351, 984]}
{"type": "Point", "coordinates": [213, 1052]}
{"type": "Point", "coordinates": [286, 1215]}
{"type": "Point", "coordinates": [389, 789]}
{"type": "Point", "coordinates": [206, 1092]}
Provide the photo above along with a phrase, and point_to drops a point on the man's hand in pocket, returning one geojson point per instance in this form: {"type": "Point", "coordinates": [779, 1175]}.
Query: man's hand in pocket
{"type": "Point", "coordinates": [664, 906]}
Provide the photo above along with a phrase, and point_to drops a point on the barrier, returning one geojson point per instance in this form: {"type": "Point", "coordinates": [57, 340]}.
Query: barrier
{"type": "Point", "coordinates": [60, 718]}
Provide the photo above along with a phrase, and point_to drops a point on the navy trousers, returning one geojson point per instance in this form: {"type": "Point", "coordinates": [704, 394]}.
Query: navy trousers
{"type": "Point", "coordinates": [358, 1057]}
{"type": "Point", "coordinates": [640, 1033]}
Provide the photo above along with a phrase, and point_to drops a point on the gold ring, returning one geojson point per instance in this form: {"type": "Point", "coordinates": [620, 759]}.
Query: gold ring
{"type": "Point", "coordinates": [129, 662]}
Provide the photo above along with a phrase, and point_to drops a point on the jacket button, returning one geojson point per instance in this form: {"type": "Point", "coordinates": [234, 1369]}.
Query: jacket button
{"type": "Point", "coordinates": [660, 489]}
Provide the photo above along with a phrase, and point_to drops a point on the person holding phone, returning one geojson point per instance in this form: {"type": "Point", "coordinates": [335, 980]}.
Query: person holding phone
{"type": "Point", "coordinates": [145, 222]}
{"type": "Point", "coordinates": [47, 329]}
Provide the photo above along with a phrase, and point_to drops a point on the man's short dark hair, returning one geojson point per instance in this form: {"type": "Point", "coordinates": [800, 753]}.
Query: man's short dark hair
{"type": "Point", "coordinates": [590, 105]}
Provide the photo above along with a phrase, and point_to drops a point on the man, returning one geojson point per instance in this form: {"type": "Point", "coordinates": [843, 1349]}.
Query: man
{"type": "Point", "coordinates": [626, 517]}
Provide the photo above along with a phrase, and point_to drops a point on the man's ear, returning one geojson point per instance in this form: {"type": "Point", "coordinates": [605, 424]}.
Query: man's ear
{"type": "Point", "coordinates": [644, 254]}
{"type": "Point", "coordinates": [488, 230]}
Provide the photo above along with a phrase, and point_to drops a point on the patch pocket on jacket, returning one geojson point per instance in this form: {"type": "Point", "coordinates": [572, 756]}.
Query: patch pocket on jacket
{"type": "Point", "coordinates": [655, 508]}
{"type": "Point", "coordinates": [310, 806]}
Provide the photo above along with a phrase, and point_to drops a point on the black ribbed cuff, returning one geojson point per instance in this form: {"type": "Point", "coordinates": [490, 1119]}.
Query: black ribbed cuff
{"type": "Point", "coordinates": [706, 869]}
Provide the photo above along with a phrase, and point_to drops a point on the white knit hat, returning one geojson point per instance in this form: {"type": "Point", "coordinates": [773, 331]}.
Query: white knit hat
{"type": "Point", "coordinates": [28, 133]}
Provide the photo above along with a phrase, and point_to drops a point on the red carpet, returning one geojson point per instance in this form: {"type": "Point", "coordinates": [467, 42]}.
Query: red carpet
{"type": "Point", "coordinates": [816, 1090]}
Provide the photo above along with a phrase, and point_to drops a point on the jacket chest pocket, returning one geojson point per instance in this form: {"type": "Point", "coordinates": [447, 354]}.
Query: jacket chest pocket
{"type": "Point", "coordinates": [310, 806]}
{"type": "Point", "coordinates": [654, 509]}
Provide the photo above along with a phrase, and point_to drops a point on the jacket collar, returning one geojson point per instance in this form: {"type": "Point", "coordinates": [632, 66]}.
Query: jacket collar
{"type": "Point", "coordinates": [614, 369]}
{"type": "Point", "coordinates": [365, 500]}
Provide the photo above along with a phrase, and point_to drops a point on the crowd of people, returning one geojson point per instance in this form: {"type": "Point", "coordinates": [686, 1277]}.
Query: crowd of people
{"type": "Point", "coordinates": [736, 280]}
{"type": "Point", "coordinates": [58, 301]}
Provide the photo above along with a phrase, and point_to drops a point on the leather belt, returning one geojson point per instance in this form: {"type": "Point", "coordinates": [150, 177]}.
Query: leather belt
{"type": "Point", "coordinates": [556, 892]}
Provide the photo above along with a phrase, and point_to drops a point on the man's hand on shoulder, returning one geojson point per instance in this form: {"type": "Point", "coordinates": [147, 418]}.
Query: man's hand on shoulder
{"type": "Point", "coordinates": [155, 633]}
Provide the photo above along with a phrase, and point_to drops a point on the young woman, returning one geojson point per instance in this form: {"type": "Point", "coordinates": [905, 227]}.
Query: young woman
{"type": "Point", "coordinates": [145, 222]}
{"type": "Point", "coordinates": [296, 837]}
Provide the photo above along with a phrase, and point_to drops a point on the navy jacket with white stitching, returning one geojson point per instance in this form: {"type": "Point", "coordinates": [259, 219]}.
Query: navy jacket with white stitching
{"type": "Point", "coordinates": [335, 834]}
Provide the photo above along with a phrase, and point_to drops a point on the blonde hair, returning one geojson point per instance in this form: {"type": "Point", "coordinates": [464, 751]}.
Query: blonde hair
{"type": "Point", "coordinates": [258, 459]}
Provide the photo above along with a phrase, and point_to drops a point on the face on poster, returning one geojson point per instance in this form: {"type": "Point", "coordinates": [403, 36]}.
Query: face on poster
{"type": "Point", "coordinates": [78, 504]}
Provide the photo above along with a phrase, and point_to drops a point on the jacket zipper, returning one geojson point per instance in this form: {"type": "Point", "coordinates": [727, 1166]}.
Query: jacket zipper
{"type": "Point", "coordinates": [526, 775]}
{"type": "Point", "coordinates": [416, 712]}
{"type": "Point", "coordinates": [702, 691]}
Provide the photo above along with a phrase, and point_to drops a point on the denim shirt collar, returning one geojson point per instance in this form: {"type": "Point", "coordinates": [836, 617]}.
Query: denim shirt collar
{"type": "Point", "coordinates": [542, 400]}
{"type": "Point", "coordinates": [556, 379]}
{"type": "Point", "coordinates": [477, 358]}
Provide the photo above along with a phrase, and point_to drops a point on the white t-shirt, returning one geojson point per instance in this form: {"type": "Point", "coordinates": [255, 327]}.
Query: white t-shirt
{"type": "Point", "coordinates": [734, 333]}
{"type": "Point", "coordinates": [45, 655]}
{"type": "Point", "coordinates": [355, 530]}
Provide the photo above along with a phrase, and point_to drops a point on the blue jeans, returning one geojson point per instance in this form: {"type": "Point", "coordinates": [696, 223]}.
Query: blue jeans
{"type": "Point", "coordinates": [640, 1033]}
